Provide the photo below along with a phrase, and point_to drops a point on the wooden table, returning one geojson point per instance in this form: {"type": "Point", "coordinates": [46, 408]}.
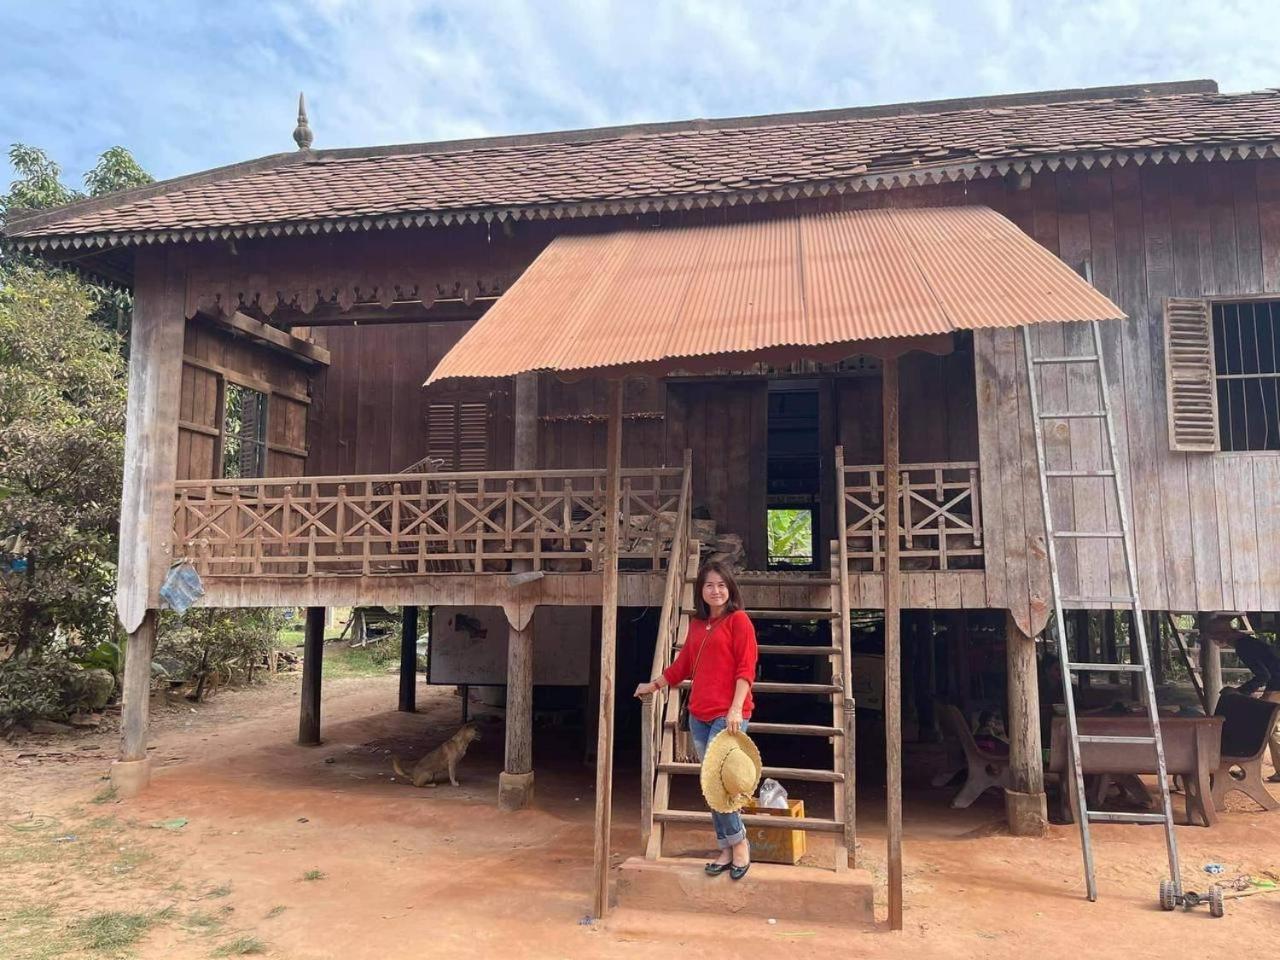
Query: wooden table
{"type": "Point", "coordinates": [1192, 749]}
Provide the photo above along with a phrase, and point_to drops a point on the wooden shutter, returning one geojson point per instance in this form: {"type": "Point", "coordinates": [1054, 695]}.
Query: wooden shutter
{"type": "Point", "coordinates": [1190, 388]}
{"type": "Point", "coordinates": [458, 434]}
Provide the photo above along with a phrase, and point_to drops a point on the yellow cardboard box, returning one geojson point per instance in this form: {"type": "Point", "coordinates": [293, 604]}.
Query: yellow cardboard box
{"type": "Point", "coordinates": [776, 844]}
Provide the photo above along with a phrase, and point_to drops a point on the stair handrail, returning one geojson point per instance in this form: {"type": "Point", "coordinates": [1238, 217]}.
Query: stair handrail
{"type": "Point", "coordinates": [668, 629]}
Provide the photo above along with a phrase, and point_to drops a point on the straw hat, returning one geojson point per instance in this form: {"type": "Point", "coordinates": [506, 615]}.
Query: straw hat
{"type": "Point", "coordinates": [730, 771]}
{"type": "Point", "coordinates": [1222, 625]}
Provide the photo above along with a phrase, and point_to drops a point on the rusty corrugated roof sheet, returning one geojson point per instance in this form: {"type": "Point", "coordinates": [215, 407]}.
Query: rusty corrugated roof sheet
{"type": "Point", "coordinates": [651, 298]}
{"type": "Point", "coordinates": [671, 166]}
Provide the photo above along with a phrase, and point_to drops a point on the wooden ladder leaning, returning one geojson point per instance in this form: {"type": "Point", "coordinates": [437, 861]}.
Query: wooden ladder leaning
{"type": "Point", "coordinates": [659, 814]}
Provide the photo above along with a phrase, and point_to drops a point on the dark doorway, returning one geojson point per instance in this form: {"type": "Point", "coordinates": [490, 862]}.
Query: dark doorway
{"type": "Point", "coordinates": [793, 494]}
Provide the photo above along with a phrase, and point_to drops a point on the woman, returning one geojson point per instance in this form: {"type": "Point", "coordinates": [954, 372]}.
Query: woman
{"type": "Point", "coordinates": [719, 655]}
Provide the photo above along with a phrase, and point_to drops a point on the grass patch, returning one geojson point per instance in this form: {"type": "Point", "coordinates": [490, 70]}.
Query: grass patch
{"type": "Point", "coordinates": [112, 930]}
{"type": "Point", "coordinates": [199, 921]}
{"type": "Point", "coordinates": [275, 912]}
{"type": "Point", "coordinates": [374, 660]}
{"type": "Point", "coordinates": [314, 875]}
{"type": "Point", "coordinates": [223, 890]}
{"type": "Point", "coordinates": [105, 795]}
{"type": "Point", "coordinates": [241, 947]}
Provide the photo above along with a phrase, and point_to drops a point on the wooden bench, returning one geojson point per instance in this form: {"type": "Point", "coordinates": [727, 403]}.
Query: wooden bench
{"type": "Point", "coordinates": [1247, 725]}
{"type": "Point", "coordinates": [1192, 749]}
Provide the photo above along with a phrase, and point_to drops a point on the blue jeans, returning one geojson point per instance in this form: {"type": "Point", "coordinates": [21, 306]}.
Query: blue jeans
{"type": "Point", "coordinates": [729, 828]}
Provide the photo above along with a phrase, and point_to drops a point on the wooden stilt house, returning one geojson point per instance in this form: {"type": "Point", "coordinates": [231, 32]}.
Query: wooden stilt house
{"type": "Point", "coordinates": [634, 340]}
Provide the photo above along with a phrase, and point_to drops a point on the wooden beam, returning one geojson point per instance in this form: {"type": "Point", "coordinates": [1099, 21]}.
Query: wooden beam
{"type": "Point", "coordinates": [271, 337]}
{"type": "Point", "coordinates": [608, 641]}
{"type": "Point", "coordinates": [1025, 806]}
{"type": "Point", "coordinates": [515, 784]}
{"type": "Point", "coordinates": [892, 640]}
{"type": "Point", "coordinates": [312, 667]}
{"type": "Point", "coordinates": [151, 434]}
{"type": "Point", "coordinates": [130, 773]}
{"type": "Point", "coordinates": [408, 658]}
{"type": "Point", "coordinates": [1210, 666]}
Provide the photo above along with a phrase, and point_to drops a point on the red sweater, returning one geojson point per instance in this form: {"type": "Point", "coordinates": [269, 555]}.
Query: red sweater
{"type": "Point", "coordinates": [730, 656]}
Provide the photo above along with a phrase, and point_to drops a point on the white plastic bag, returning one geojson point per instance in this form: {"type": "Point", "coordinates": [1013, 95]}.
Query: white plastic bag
{"type": "Point", "coordinates": [773, 795]}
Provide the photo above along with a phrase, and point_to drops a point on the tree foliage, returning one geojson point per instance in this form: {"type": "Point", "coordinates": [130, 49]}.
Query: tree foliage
{"type": "Point", "coordinates": [39, 186]}
{"type": "Point", "coordinates": [62, 402]}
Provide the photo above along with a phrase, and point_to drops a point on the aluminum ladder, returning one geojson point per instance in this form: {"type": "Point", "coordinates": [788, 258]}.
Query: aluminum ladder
{"type": "Point", "coordinates": [1111, 474]}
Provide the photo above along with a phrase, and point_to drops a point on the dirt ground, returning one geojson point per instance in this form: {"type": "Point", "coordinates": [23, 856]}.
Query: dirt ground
{"type": "Point", "coordinates": [247, 843]}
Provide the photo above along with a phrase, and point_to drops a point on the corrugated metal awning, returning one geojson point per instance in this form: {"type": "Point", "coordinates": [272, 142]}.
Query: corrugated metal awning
{"type": "Point", "coordinates": [656, 299]}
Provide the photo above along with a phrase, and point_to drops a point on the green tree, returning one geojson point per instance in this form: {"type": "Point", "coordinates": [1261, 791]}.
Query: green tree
{"type": "Point", "coordinates": [62, 402]}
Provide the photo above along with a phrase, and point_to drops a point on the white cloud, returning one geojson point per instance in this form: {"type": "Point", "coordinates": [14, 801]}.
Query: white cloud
{"type": "Point", "coordinates": [190, 85]}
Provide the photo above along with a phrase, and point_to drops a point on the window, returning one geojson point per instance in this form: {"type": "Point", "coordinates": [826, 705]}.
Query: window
{"type": "Point", "coordinates": [1222, 374]}
{"type": "Point", "coordinates": [244, 431]}
{"type": "Point", "coordinates": [790, 539]}
{"type": "Point", "coordinates": [1247, 374]}
{"type": "Point", "coordinates": [458, 435]}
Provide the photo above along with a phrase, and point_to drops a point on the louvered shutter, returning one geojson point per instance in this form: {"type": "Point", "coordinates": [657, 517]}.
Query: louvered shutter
{"type": "Point", "coordinates": [1190, 389]}
{"type": "Point", "coordinates": [458, 434]}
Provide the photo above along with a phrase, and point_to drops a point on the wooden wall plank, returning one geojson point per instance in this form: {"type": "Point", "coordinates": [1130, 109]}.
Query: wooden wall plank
{"type": "Point", "coordinates": [1140, 411]}
{"type": "Point", "coordinates": [990, 464]}
{"type": "Point", "coordinates": [1266, 485]}
{"type": "Point", "coordinates": [1193, 276]}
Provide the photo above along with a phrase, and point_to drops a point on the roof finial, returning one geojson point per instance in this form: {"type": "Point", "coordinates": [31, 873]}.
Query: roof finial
{"type": "Point", "coordinates": [302, 132]}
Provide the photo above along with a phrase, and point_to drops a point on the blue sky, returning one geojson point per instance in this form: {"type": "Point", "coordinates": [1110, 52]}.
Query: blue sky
{"type": "Point", "coordinates": [187, 86]}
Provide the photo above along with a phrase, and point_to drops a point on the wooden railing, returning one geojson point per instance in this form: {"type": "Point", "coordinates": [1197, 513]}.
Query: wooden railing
{"type": "Point", "coordinates": [406, 524]}
{"type": "Point", "coordinates": [671, 627]}
{"type": "Point", "coordinates": [940, 514]}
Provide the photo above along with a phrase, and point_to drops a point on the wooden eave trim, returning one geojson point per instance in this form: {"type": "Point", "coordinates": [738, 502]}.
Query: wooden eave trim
{"type": "Point", "coordinates": [881, 180]}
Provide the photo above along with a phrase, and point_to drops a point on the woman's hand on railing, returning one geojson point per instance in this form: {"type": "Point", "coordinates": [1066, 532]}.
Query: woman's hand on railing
{"type": "Point", "coordinates": [645, 690]}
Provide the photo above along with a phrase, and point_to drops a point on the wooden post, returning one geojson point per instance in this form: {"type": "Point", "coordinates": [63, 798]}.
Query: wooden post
{"type": "Point", "coordinates": [1024, 802]}
{"type": "Point", "coordinates": [408, 658]}
{"type": "Point", "coordinates": [132, 772]}
{"type": "Point", "coordinates": [1210, 666]}
{"type": "Point", "coordinates": [524, 454]}
{"type": "Point", "coordinates": [1084, 648]}
{"type": "Point", "coordinates": [515, 783]}
{"type": "Point", "coordinates": [608, 641]}
{"type": "Point", "coordinates": [892, 642]}
{"type": "Point", "coordinates": [312, 665]}
{"type": "Point", "coordinates": [151, 434]}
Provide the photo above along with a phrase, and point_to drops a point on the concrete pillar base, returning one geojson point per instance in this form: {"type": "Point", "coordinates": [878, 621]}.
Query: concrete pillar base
{"type": "Point", "coordinates": [515, 791]}
{"type": "Point", "coordinates": [1027, 813]}
{"type": "Point", "coordinates": [130, 777]}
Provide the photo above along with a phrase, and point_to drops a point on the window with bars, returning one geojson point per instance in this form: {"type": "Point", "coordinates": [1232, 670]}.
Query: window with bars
{"type": "Point", "coordinates": [1246, 338]}
{"type": "Point", "coordinates": [244, 432]}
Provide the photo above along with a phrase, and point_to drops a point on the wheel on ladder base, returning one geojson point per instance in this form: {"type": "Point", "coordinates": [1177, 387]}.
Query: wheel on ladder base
{"type": "Point", "coordinates": [1168, 895]}
{"type": "Point", "coordinates": [1217, 903]}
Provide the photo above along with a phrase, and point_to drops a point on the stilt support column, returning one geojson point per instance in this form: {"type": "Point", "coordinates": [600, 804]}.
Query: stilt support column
{"type": "Point", "coordinates": [131, 774]}
{"type": "Point", "coordinates": [408, 659]}
{"type": "Point", "coordinates": [1024, 801]}
{"type": "Point", "coordinates": [312, 669]}
{"type": "Point", "coordinates": [515, 784]}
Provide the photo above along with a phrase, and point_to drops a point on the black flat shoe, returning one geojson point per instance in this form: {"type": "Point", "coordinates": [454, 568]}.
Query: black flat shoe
{"type": "Point", "coordinates": [737, 873]}
{"type": "Point", "coordinates": [715, 869]}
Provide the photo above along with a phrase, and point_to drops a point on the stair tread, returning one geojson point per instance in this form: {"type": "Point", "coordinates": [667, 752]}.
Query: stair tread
{"type": "Point", "coordinates": [769, 687]}
{"type": "Point", "coordinates": [785, 729]}
{"type": "Point", "coordinates": [786, 649]}
{"type": "Point", "coordinates": [771, 614]}
{"type": "Point", "coordinates": [786, 773]}
{"type": "Point", "coordinates": [753, 820]}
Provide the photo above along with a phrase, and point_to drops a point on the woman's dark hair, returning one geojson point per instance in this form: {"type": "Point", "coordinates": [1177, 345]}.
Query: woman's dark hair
{"type": "Point", "coordinates": [726, 574]}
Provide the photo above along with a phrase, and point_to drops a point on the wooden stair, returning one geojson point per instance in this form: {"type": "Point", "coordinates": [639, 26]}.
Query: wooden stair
{"type": "Point", "coordinates": [665, 765]}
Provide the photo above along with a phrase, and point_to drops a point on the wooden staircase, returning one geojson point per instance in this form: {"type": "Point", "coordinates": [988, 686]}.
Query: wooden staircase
{"type": "Point", "coordinates": [664, 756]}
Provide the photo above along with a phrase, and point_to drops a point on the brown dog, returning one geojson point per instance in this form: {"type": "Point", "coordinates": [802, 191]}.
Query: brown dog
{"type": "Point", "coordinates": [443, 759]}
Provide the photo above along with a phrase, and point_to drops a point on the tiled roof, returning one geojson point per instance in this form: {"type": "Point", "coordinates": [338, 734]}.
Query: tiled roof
{"type": "Point", "coordinates": [671, 166]}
